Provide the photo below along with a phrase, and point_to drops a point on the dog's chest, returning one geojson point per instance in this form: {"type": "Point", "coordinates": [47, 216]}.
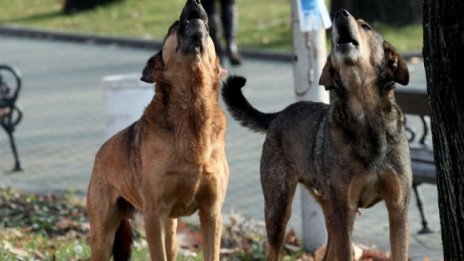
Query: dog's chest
{"type": "Point", "coordinates": [184, 191]}
{"type": "Point", "coordinates": [186, 200]}
{"type": "Point", "coordinates": [369, 191]}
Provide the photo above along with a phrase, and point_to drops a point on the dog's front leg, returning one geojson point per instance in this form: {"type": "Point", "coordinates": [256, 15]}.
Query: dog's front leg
{"type": "Point", "coordinates": [339, 218]}
{"type": "Point", "coordinates": [211, 226]}
{"type": "Point", "coordinates": [397, 191]}
{"type": "Point", "coordinates": [399, 236]}
{"type": "Point", "coordinates": [171, 246]}
{"type": "Point", "coordinates": [156, 235]}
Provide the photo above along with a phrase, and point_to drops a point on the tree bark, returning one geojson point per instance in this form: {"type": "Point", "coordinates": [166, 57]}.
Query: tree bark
{"type": "Point", "coordinates": [392, 12]}
{"type": "Point", "coordinates": [444, 63]}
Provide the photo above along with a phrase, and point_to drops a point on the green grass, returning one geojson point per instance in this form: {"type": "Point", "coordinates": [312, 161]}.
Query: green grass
{"type": "Point", "coordinates": [262, 23]}
{"type": "Point", "coordinates": [406, 38]}
{"type": "Point", "coordinates": [55, 227]}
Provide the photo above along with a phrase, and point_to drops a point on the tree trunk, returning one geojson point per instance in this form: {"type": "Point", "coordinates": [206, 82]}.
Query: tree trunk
{"type": "Point", "coordinates": [444, 63]}
{"type": "Point", "coordinates": [392, 12]}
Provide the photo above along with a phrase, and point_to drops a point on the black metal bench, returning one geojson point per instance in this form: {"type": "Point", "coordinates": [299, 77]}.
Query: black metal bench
{"type": "Point", "coordinates": [414, 101]}
{"type": "Point", "coordinates": [10, 114]}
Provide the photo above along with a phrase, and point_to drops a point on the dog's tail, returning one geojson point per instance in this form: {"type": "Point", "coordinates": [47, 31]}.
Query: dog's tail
{"type": "Point", "coordinates": [241, 109]}
{"type": "Point", "coordinates": [122, 242]}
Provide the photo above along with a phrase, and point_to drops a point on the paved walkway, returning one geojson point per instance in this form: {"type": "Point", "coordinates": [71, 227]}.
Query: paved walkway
{"type": "Point", "coordinates": [63, 126]}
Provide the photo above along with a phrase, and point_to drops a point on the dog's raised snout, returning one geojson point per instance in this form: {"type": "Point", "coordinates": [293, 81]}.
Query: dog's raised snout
{"type": "Point", "coordinates": [193, 10]}
{"type": "Point", "coordinates": [193, 2]}
{"type": "Point", "coordinates": [198, 2]}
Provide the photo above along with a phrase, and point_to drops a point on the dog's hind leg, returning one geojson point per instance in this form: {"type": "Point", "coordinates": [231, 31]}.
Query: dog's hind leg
{"type": "Point", "coordinates": [278, 205]}
{"type": "Point", "coordinates": [122, 241]}
{"type": "Point", "coordinates": [279, 186]}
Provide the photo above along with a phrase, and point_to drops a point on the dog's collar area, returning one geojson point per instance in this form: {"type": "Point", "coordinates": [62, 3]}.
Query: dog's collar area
{"type": "Point", "coordinates": [338, 87]}
{"type": "Point", "coordinates": [385, 84]}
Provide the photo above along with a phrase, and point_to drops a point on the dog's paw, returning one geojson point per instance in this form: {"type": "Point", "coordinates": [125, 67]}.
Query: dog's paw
{"type": "Point", "coordinates": [235, 81]}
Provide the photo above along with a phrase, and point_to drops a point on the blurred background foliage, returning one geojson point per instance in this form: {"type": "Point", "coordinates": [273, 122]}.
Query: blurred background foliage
{"type": "Point", "coordinates": [262, 23]}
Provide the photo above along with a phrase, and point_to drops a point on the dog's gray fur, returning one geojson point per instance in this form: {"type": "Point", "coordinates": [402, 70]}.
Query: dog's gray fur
{"type": "Point", "coordinates": [350, 154]}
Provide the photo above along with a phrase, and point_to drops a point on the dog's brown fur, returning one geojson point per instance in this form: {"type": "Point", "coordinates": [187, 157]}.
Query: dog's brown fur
{"type": "Point", "coordinates": [171, 162]}
{"type": "Point", "coordinates": [350, 154]}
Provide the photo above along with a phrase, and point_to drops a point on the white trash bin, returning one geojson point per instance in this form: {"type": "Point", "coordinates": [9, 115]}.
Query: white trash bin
{"type": "Point", "coordinates": [124, 99]}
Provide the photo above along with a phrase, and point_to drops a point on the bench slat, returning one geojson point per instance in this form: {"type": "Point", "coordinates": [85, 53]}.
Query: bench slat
{"type": "Point", "coordinates": [412, 100]}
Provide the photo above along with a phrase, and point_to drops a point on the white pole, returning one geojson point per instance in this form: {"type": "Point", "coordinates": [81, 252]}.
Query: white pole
{"type": "Point", "coordinates": [310, 55]}
{"type": "Point", "coordinates": [124, 99]}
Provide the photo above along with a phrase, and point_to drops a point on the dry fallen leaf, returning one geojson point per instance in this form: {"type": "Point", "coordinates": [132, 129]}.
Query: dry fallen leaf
{"type": "Point", "coordinates": [15, 250]}
{"type": "Point", "coordinates": [319, 253]}
{"type": "Point", "coordinates": [292, 239]}
{"type": "Point", "coordinates": [374, 254]}
{"type": "Point", "coordinates": [357, 252]}
{"type": "Point", "coordinates": [188, 239]}
{"type": "Point", "coordinates": [38, 255]}
{"type": "Point", "coordinates": [306, 257]}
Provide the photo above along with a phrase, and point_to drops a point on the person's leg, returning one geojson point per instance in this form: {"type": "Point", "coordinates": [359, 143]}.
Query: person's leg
{"type": "Point", "coordinates": [210, 8]}
{"type": "Point", "coordinates": [229, 18]}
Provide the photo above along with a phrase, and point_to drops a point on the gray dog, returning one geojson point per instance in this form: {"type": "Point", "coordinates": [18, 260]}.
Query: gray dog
{"type": "Point", "coordinates": [350, 154]}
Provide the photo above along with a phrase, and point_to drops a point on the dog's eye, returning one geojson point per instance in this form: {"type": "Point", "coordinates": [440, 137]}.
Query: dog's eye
{"type": "Point", "coordinates": [365, 27]}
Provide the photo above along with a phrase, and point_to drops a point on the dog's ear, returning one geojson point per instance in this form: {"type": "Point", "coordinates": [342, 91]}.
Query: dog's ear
{"type": "Point", "coordinates": [152, 64]}
{"type": "Point", "coordinates": [396, 65]}
{"type": "Point", "coordinates": [327, 79]}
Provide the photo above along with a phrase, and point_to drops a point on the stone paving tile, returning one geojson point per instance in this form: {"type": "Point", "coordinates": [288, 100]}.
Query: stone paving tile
{"type": "Point", "coordinates": [63, 127]}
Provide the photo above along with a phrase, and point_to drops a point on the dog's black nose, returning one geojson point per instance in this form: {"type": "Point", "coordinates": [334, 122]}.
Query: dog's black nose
{"type": "Point", "coordinates": [342, 13]}
{"type": "Point", "coordinates": [193, 10]}
{"type": "Point", "coordinates": [195, 2]}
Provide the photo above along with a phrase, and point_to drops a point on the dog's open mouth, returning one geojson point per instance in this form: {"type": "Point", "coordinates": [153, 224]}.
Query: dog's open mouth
{"type": "Point", "coordinates": [346, 38]}
{"type": "Point", "coordinates": [193, 29]}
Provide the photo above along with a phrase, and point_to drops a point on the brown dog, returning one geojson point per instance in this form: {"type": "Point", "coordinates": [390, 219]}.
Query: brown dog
{"type": "Point", "coordinates": [350, 154]}
{"type": "Point", "coordinates": [171, 162]}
